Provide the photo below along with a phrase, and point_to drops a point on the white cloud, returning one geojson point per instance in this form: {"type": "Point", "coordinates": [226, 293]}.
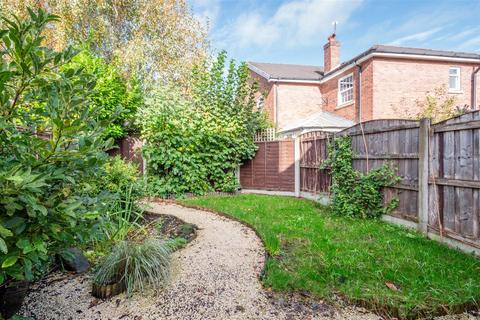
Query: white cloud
{"type": "Point", "coordinates": [206, 11]}
{"type": "Point", "coordinates": [299, 22]}
{"type": "Point", "coordinates": [419, 36]}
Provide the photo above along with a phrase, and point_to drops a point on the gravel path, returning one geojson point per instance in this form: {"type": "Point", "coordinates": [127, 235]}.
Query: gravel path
{"type": "Point", "coordinates": [214, 277]}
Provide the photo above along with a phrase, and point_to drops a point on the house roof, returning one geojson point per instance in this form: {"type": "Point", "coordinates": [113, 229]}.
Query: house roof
{"type": "Point", "coordinates": [321, 120]}
{"type": "Point", "coordinates": [408, 51]}
{"type": "Point", "coordinates": [276, 71]}
{"type": "Point", "coordinates": [424, 52]}
{"type": "Point", "coordinates": [280, 71]}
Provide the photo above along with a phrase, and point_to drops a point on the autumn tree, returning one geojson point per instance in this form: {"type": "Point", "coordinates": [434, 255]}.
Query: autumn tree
{"type": "Point", "coordinates": [158, 40]}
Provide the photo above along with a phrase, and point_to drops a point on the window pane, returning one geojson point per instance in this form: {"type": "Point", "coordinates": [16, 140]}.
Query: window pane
{"type": "Point", "coordinates": [453, 71]}
{"type": "Point", "coordinates": [453, 82]}
{"type": "Point", "coordinates": [345, 88]}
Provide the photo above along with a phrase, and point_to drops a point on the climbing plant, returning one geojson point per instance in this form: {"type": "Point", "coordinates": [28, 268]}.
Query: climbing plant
{"type": "Point", "coordinates": [354, 193]}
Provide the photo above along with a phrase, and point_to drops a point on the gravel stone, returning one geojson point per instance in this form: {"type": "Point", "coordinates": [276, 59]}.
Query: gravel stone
{"type": "Point", "coordinates": [215, 277]}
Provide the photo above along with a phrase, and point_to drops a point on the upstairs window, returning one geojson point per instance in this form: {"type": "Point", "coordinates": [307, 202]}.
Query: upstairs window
{"type": "Point", "coordinates": [454, 79]}
{"type": "Point", "coordinates": [345, 90]}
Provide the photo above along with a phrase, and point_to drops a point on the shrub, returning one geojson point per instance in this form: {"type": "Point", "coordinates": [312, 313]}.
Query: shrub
{"type": "Point", "coordinates": [120, 176]}
{"type": "Point", "coordinates": [195, 142]}
{"type": "Point", "coordinates": [136, 264]}
{"type": "Point", "coordinates": [113, 97]}
{"type": "Point", "coordinates": [353, 193]}
{"type": "Point", "coordinates": [51, 148]}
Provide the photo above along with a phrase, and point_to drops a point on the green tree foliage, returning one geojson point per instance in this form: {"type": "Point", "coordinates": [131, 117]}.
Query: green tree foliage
{"type": "Point", "coordinates": [51, 145]}
{"type": "Point", "coordinates": [154, 39]}
{"type": "Point", "coordinates": [112, 97]}
{"type": "Point", "coordinates": [356, 194]}
{"type": "Point", "coordinates": [195, 142]}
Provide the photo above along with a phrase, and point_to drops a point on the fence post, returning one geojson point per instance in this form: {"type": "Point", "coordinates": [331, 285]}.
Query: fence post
{"type": "Point", "coordinates": [297, 166]}
{"type": "Point", "coordinates": [423, 171]}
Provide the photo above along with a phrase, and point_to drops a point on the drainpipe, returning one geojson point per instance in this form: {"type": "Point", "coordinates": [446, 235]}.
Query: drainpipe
{"type": "Point", "coordinates": [360, 113]}
{"type": "Point", "coordinates": [275, 105]}
{"type": "Point", "coordinates": [474, 89]}
{"type": "Point", "coordinates": [359, 67]}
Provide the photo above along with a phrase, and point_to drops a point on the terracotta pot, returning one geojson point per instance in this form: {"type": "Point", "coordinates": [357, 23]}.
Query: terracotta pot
{"type": "Point", "coordinates": [104, 291]}
{"type": "Point", "coordinates": [12, 296]}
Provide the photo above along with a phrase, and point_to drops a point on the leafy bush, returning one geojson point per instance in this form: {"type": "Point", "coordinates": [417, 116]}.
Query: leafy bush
{"type": "Point", "coordinates": [112, 96]}
{"type": "Point", "coordinates": [136, 264]}
{"type": "Point", "coordinates": [353, 193]}
{"type": "Point", "coordinates": [51, 148]}
{"type": "Point", "coordinates": [120, 176]}
{"type": "Point", "coordinates": [195, 142]}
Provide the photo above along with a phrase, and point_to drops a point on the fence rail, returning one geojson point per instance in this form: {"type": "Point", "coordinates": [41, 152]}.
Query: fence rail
{"type": "Point", "coordinates": [439, 166]}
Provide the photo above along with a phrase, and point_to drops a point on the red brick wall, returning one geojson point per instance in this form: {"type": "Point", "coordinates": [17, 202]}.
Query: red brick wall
{"type": "Point", "coordinates": [390, 89]}
{"type": "Point", "coordinates": [329, 91]}
{"type": "Point", "coordinates": [297, 101]}
{"type": "Point", "coordinates": [265, 89]}
{"type": "Point", "coordinates": [399, 83]}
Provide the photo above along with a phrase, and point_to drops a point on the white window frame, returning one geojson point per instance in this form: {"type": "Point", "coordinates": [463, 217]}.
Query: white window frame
{"type": "Point", "coordinates": [340, 101]}
{"type": "Point", "coordinates": [458, 81]}
{"type": "Point", "coordinates": [260, 103]}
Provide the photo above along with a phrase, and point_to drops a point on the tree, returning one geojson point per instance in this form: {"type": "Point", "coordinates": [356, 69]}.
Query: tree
{"type": "Point", "coordinates": [116, 99]}
{"type": "Point", "coordinates": [155, 39]}
{"type": "Point", "coordinates": [51, 146]}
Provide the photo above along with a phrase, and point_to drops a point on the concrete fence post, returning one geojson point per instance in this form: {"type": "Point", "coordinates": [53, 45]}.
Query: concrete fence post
{"type": "Point", "coordinates": [423, 173]}
{"type": "Point", "coordinates": [297, 166]}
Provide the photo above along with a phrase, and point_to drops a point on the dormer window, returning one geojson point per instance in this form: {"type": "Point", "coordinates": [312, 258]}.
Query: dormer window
{"type": "Point", "coordinates": [454, 79]}
{"type": "Point", "coordinates": [345, 90]}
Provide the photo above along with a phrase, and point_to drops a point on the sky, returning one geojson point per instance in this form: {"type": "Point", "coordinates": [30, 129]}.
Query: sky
{"type": "Point", "coordinates": [294, 31]}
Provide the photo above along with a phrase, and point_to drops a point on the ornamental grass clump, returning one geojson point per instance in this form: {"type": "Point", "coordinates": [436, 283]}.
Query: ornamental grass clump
{"type": "Point", "coordinates": [137, 265]}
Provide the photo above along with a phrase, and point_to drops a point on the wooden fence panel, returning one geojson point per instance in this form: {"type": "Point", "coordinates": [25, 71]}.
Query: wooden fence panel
{"type": "Point", "coordinates": [130, 149]}
{"type": "Point", "coordinates": [393, 142]}
{"type": "Point", "coordinates": [272, 168]}
{"type": "Point", "coordinates": [454, 179]}
{"type": "Point", "coordinates": [313, 151]}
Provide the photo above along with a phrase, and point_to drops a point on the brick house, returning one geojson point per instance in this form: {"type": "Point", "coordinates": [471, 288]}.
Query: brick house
{"type": "Point", "coordinates": [380, 83]}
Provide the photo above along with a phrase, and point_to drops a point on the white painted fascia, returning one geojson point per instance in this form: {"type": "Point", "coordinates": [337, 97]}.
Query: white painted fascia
{"type": "Point", "coordinates": [397, 56]}
{"type": "Point", "coordinates": [295, 81]}
{"type": "Point", "coordinates": [269, 78]}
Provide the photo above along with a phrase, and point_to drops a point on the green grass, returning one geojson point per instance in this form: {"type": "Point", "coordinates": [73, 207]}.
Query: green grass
{"type": "Point", "coordinates": [312, 250]}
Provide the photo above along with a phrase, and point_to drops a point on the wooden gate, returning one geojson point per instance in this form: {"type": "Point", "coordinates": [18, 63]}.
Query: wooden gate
{"type": "Point", "coordinates": [454, 179]}
{"type": "Point", "coordinates": [313, 151]}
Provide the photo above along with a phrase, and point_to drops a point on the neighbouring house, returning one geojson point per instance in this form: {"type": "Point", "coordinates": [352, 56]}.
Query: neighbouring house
{"type": "Point", "coordinates": [381, 83]}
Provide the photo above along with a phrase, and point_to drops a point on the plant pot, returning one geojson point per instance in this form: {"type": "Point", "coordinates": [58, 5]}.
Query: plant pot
{"type": "Point", "coordinates": [104, 291]}
{"type": "Point", "coordinates": [12, 296]}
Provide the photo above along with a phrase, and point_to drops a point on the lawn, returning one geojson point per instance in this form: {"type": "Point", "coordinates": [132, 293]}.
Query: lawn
{"type": "Point", "coordinates": [391, 270]}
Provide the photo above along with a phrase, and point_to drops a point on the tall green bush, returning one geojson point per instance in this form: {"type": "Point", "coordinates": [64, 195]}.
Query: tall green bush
{"type": "Point", "coordinates": [113, 97]}
{"type": "Point", "coordinates": [196, 141]}
{"type": "Point", "coordinates": [51, 150]}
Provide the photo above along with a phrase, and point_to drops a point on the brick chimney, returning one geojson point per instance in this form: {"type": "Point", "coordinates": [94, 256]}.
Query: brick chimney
{"type": "Point", "coordinates": [331, 53]}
